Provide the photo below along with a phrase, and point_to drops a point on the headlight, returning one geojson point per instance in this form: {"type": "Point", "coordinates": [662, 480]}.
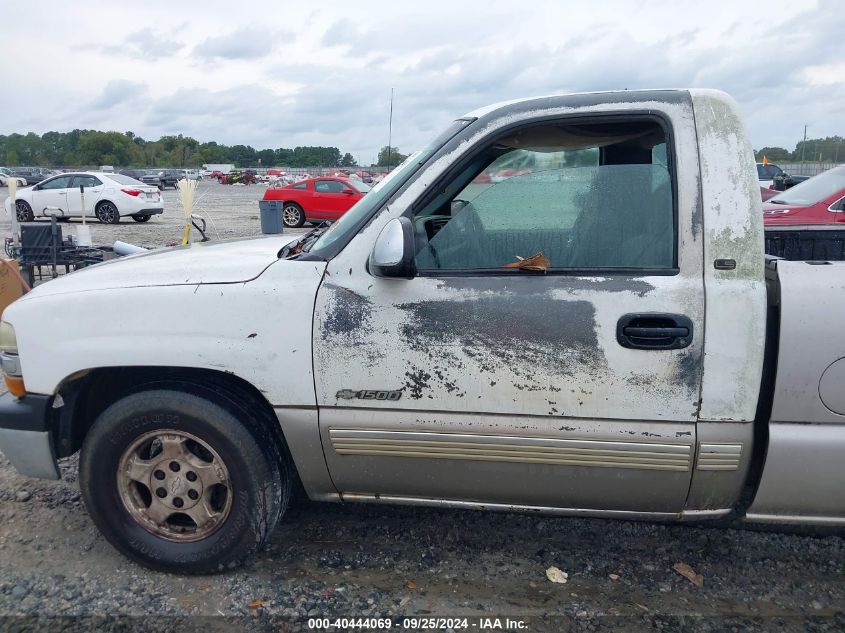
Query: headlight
{"type": "Point", "coordinates": [8, 341]}
{"type": "Point", "coordinates": [9, 361]}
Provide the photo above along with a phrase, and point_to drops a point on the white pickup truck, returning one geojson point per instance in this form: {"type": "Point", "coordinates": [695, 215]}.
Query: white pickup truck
{"type": "Point", "coordinates": [561, 305]}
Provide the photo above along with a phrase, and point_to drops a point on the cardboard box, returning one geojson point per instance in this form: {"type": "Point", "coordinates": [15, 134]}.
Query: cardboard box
{"type": "Point", "coordinates": [10, 285]}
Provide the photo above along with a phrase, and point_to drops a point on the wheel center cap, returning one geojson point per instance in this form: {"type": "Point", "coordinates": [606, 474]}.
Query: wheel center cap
{"type": "Point", "coordinates": [178, 486]}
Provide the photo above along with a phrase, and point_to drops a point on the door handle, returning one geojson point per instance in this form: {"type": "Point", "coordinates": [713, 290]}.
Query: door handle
{"type": "Point", "coordinates": [654, 331]}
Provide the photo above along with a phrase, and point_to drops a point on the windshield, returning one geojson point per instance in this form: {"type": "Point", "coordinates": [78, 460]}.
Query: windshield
{"type": "Point", "coordinates": [383, 190]}
{"type": "Point", "coordinates": [767, 172]}
{"type": "Point", "coordinates": [815, 189]}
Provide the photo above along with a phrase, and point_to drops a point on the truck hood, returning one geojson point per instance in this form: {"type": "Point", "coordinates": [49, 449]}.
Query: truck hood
{"type": "Point", "coordinates": [221, 262]}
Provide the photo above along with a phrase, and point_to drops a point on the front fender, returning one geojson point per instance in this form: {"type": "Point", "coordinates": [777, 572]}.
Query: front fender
{"type": "Point", "coordinates": [259, 331]}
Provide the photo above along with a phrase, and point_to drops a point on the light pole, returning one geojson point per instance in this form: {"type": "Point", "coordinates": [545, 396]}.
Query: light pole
{"type": "Point", "coordinates": [804, 144]}
{"type": "Point", "coordinates": [390, 130]}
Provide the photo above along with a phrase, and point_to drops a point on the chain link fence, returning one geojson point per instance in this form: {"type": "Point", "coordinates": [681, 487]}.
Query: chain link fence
{"type": "Point", "coordinates": [806, 169]}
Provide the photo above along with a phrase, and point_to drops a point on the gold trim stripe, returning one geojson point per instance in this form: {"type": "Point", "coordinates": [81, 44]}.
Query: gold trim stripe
{"type": "Point", "coordinates": [719, 456]}
{"type": "Point", "coordinates": [492, 448]}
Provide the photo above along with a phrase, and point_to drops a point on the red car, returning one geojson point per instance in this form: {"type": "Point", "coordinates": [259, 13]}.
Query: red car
{"type": "Point", "coordinates": [817, 201]}
{"type": "Point", "coordinates": [316, 199]}
{"type": "Point", "coordinates": [766, 193]}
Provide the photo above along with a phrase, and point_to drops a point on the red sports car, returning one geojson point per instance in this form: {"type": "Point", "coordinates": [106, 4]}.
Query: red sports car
{"type": "Point", "coordinates": [316, 199]}
{"type": "Point", "coordinates": [817, 201]}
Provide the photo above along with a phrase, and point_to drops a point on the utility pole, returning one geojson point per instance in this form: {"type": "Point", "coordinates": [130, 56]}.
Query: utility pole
{"type": "Point", "coordinates": [804, 144]}
{"type": "Point", "coordinates": [390, 130]}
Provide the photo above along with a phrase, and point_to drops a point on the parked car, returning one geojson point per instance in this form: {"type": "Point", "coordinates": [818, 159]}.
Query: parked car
{"type": "Point", "coordinates": [767, 172]}
{"type": "Point", "coordinates": [6, 176]}
{"type": "Point", "coordinates": [146, 176]}
{"type": "Point", "coordinates": [414, 352]}
{"type": "Point", "coordinates": [108, 197]}
{"type": "Point", "coordinates": [168, 177]}
{"type": "Point", "coordinates": [817, 201]}
{"type": "Point", "coordinates": [316, 199]}
{"type": "Point", "coordinates": [784, 181]}
{"type": "Point", "coordinates": [191, 174]}
{"type": "Point", "coordinates": [31, 176]}
{"type": "Point", "coordinates": [767, 193]}
{"type": "Point", "coordinates": [238, 177]}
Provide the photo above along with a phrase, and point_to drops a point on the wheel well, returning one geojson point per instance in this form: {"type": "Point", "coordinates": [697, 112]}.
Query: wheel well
{"type": "Point", "coordinates": [88, 394]}
{"type": "Point", "coordinates": [102, 202]}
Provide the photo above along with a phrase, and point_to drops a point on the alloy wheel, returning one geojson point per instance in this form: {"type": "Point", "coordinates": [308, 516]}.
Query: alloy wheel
{"type": "Point", "coordinates": [174, 485]}
{"type": "Point", "coordinates": [292, 216]}
{"type": "Point", "coordinates": [107, 213]}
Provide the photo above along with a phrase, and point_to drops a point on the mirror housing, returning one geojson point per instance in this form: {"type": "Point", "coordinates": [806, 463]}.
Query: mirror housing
{"type": "Point", "coordinates": [393, 253]}
{"type": "Point", "coordinates": [348, 191]}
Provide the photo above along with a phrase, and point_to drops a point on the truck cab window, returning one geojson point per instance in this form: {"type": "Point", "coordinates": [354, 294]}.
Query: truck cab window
{"type": "Point", "coordinates": [595, 196]}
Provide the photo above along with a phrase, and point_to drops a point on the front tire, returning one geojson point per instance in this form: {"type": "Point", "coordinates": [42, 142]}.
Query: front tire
{"type": "Point", "coordinates": [23, 211]}
{"type": "Point", "coordinates": [179, 483]}
{"type": "Point", "coordinates": [107, 213]}
{"type": "Point", "coordinates": [293, 216]}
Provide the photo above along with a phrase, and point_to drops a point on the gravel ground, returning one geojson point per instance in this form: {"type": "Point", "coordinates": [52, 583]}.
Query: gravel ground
{"type": "Point", "coordinates": [360, 560]}
{"type": "Point", "coordinates": [367, 561]}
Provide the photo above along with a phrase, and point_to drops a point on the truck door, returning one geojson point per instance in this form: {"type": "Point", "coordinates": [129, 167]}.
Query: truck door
{"type": "Point", "coordinates": [548, 351]}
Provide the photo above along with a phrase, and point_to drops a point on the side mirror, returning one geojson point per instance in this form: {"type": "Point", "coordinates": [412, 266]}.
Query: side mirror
{"type": "Point", "coordinates": [348, 192]}
{"type": "Point", "coordinates": [393, 253]}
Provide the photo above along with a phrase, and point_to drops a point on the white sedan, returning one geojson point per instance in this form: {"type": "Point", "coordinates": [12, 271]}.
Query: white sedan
{"type": "Point", "coordinates": [6, 176]}
{"type": "Point", "coordinates": [107, 197]}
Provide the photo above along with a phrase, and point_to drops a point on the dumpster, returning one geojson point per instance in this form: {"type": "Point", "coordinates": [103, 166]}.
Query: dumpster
{"type": "Point", "coordinates": [271, 216]}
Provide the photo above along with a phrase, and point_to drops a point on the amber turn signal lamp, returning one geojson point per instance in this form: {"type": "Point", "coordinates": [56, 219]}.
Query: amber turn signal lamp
{"type": "Point", "coordinates": [15, 386]}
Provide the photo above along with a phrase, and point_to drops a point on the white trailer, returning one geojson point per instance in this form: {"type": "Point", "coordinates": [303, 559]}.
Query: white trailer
{"type": "Point", "coordinates": [223, 168]}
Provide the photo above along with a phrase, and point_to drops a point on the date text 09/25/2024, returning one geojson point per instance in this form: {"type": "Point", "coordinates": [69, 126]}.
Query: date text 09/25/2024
{"type": "Point", "coordinates": [419, 624]}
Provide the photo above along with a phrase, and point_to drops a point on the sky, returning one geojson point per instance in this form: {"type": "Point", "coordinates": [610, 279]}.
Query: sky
{"type": "Point", "coordinates": [281, 74]}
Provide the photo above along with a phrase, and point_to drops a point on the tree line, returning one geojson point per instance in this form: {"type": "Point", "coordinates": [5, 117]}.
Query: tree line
{"type": "Point", "coordinates": [830, 149]}
{"type": "Point", "coordinates": [125, 149]}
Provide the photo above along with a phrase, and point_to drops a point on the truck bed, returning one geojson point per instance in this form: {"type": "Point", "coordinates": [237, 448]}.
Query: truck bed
{"type": "Point", "coordinates": [801, 479]}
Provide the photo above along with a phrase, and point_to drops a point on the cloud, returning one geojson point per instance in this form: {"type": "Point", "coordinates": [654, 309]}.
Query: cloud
{"type": "Point", "coordinates": [147, 44]}
{"type": "Point", "coordinates": [119, 92]}
{"type": "Point", "coordinates": [242, 44]}
{"type": "Point", "coordinates": [333, 86]}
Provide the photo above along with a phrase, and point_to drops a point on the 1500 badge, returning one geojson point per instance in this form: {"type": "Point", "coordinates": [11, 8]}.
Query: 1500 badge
{"type": "Point", "coordinates": [368, 394]}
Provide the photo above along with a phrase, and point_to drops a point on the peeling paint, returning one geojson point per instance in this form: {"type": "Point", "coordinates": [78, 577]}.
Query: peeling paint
{"type": "Point", "coordinates": [736, 299]}
{"type": "Point", "coordinates": [558, 338]}
{"type": "Point", "coordinates": [347, 312]}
